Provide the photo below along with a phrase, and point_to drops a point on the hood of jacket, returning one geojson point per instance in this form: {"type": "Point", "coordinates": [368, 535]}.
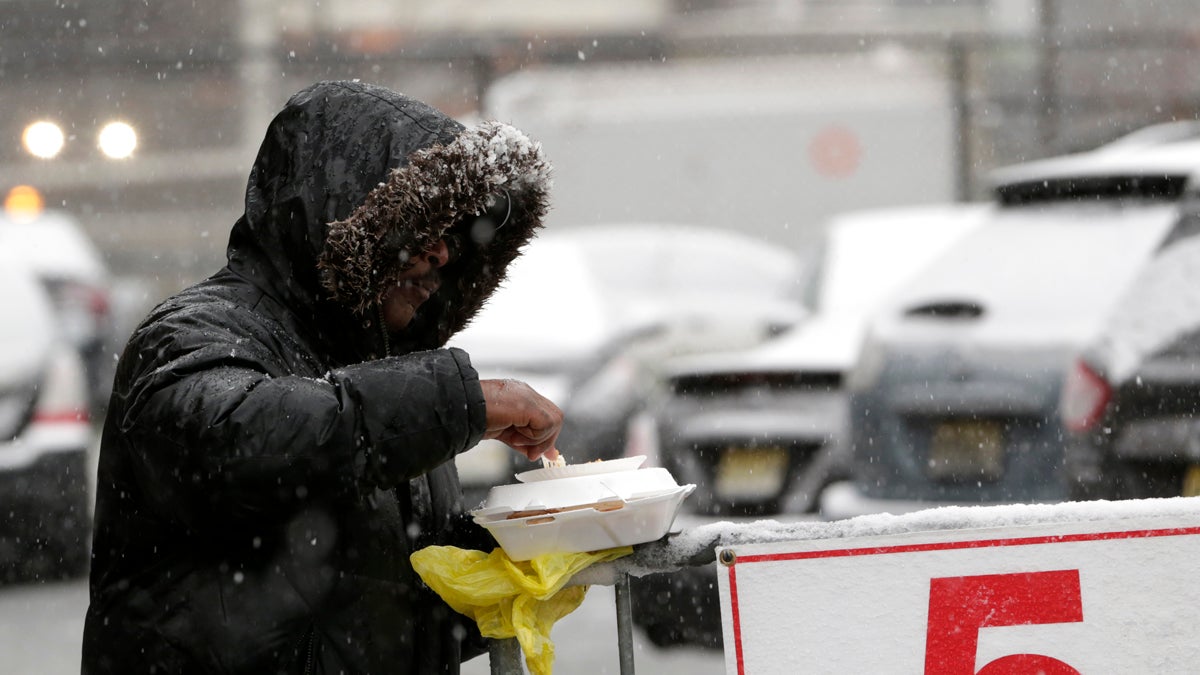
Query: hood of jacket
{"type": "Point", "coordinates": [352, 182]}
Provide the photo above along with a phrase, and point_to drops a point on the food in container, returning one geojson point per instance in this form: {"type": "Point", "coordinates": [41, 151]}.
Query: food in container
{"type": "Point", "coordinates": [582, 507]}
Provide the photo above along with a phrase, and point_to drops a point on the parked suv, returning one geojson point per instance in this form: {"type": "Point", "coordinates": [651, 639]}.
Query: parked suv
{"type": "Point", "coordinates": [955, 396]}
{"type": "Point", "coordinates": [45, 436]}
{"type": "Point", "coordinates": [1131, 404]}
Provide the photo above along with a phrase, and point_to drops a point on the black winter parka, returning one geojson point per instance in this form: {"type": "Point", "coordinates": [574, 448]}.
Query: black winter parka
{"type": "Point", "coordinates": [271, 455]}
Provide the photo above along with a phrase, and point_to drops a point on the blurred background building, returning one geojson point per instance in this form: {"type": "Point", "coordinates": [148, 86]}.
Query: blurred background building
{"type": "Point", "coordinates": [196, 83]}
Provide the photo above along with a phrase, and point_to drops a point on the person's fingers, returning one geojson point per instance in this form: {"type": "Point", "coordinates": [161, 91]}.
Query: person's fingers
{"type": "Point", "coordinates": [521, 418]}
{"type": "Point", "coordinates": [533, 448]}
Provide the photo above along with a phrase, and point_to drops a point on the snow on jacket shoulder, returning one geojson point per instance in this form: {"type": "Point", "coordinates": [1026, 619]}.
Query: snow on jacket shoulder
{"type": "Point", "coordinates": [270, 455]}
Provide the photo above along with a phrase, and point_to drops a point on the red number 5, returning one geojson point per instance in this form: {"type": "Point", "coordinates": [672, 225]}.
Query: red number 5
{"type": "Point", "coordinates": [960, 606]}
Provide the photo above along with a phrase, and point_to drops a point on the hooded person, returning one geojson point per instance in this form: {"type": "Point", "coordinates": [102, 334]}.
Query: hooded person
{"type": "Point", "coordinates": [281, 435]}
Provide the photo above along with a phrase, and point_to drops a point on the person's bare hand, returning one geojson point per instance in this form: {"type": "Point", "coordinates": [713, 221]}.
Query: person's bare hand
{"type": "Point", "coordinates": [521, 418]}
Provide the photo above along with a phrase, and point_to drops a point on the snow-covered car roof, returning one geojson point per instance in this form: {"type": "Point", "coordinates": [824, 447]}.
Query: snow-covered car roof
{"type": "Point", "coordinates": [594, 284]}
{"type": "Point", "coordinates": [548, 310]}
{"type": "Point", "coordinates": [1169, 150]}
{"type": "Point", "coordinates": [54, 245]}
{"type": "Point", "coordinates": [672, 258]}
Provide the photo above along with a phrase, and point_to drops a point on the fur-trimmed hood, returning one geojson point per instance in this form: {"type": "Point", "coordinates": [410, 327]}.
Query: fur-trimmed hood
{"type": "Point", "coordinates": [353, 181]}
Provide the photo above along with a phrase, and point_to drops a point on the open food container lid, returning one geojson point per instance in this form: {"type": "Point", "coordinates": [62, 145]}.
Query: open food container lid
{"type": "Point", "coordinates": [582, 507]}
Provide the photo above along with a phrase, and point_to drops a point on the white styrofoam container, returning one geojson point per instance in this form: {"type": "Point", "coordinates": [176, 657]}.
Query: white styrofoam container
{"type": "Point", "coordinates": [638, 520]}
{"type": "Point", "coordinates": [564, 492]}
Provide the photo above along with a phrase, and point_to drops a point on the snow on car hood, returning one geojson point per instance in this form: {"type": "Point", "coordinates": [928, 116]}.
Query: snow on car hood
{"type": "Point", "coordinates": [1039, 275]}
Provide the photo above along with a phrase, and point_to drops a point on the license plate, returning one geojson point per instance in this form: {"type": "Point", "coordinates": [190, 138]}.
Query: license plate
{"type": "Point", "coordinates": [1191, 481]}
{"type": "Point", "coordinates": [965, 450]}
{"type": "Point", "coordinates": [751, 473]}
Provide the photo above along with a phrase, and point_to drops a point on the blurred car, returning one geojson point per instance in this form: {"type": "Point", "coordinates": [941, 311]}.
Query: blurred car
{"type": "Point", "coordinates": [54, 245]}
{"type": "Point", "coordinates": [45, 435]}
{"type": "Point", "coordinates": [761, 431]}
{"type": "Point", "coordinates": [1130, 405]}
{"type": "Point", "coordinates": [587, 315]}
{"type": "Point", "coordinates": [955, 396]}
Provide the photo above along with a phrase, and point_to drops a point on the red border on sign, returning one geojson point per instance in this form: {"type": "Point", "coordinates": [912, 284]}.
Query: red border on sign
{"type": "Point", "coordinates": [918, 548]}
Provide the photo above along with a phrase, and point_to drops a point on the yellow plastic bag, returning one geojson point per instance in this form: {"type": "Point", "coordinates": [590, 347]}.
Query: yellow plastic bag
{"type": "Point", "coordinates": [510, 599]}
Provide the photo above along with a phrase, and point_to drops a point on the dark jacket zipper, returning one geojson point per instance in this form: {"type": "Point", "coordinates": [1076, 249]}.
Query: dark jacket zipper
{"type": "Point", "coordinates": [387, 342]}
{"type": "Point", "coordinates": [312, 646]}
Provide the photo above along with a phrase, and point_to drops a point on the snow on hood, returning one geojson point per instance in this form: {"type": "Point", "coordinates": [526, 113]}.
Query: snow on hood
{"type": "Point", "coordinates": [1045, 275]}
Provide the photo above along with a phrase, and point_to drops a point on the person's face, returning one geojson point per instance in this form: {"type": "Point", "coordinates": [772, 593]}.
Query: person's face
{"type": "Point", "coordinates": [417, 283]}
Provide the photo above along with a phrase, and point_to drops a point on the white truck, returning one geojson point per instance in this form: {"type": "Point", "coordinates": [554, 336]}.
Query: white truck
{"type": "Point", "coordinates": [772, 147]}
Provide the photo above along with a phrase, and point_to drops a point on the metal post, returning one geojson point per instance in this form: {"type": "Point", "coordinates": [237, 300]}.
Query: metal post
{"type": "Point", "coordinates": [625, 624]}
{"type": "Point", "coordinates": [258, 39]}
{"type": "Point", "coordinates": [504, 657]}
{"type": "Point", "coordinates": [1048, 78]}
{"type": "Point", "coordinates": [959, 75]}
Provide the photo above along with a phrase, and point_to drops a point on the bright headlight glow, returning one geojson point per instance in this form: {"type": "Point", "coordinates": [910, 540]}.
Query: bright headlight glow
{"type": "Point", "coordinates": [117, 140]}
{"type": "Point", "coordinates": [23, 203]}
{"type": "Point", "coordinates": [43, 139]}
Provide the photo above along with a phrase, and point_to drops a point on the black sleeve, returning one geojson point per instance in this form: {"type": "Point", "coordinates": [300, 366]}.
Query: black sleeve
{"type": "Point", "coordinates": [208, 422]}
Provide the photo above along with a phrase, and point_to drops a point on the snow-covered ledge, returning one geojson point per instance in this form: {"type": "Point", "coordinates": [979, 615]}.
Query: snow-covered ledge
{"type": "Point", "coordinates": [698, 545]}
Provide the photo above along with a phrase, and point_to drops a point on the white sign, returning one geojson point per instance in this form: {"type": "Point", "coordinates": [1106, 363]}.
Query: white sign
{"type": "Point", "coordinates": [1113, 596]}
